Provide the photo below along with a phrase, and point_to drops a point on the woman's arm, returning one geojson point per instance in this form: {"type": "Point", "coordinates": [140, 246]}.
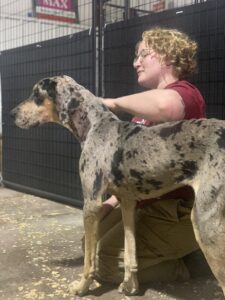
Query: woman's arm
{"type": "Point", "coordinates": [159, 105]}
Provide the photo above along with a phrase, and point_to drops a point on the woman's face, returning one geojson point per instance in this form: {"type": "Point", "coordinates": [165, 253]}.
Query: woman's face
{"type": "Point", "coordinates": [148, 67]}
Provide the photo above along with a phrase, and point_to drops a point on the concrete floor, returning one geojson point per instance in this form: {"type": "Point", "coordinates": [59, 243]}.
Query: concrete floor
{"type": "Point", "coordinates": [40, 254]}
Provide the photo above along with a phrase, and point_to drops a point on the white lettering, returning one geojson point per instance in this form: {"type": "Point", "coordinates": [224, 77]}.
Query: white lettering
{"type": "Point", "coordinates": [57, 3]}
{"type": "Point", "coordinates": [65, 4]}
{"type": "Point", "coordinates": [47, 2]}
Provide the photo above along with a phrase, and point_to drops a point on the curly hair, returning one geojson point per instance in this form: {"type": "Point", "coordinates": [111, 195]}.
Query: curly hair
{"type": "Point", "coordinates": [173, 47]}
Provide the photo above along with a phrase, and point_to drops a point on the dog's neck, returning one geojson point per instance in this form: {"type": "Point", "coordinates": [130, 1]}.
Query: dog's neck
{"type": "Point", "coordinates": [88, 117]}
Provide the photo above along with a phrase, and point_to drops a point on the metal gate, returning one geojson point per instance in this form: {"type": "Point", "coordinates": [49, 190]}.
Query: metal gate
{"type": "Point", "coordinates": [44, 161]}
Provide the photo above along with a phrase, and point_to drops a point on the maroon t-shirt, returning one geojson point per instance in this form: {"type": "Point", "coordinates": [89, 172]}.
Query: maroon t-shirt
{"type": "Point", "coordinates": [194, 105]}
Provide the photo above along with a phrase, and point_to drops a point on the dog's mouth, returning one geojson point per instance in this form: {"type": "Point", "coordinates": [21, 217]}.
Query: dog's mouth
{"type": "Point", "coordinates": [35, 125]}
{"type": "Point", "coordinates": [26, 124]}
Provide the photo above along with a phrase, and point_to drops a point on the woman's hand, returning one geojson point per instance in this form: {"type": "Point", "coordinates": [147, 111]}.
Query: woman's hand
{"type": "Point", "coordinates": [111, 104]}
{"type": "Point", "coordinates": [108, 206]}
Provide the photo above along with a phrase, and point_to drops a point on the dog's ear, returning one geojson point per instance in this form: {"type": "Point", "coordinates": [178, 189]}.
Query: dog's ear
{"type": "Point", "coordinates": [70, 101]}
{"type": "Point", "coordinates": [49, 85]}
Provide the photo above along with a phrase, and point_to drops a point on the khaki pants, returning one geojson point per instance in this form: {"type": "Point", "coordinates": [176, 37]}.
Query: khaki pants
{"type": "Point", "coordinates": [164, 234]}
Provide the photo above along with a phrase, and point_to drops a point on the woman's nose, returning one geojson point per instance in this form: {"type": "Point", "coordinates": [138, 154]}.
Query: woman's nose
{"type": "Point", "coordinates": [136, 63]}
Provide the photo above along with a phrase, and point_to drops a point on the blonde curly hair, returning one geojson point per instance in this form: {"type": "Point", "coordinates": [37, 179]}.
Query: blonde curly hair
{"type": "Point", "coordinates": [173, 47]}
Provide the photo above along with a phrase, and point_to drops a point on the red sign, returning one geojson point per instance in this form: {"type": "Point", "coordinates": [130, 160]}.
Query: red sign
{"type": "Point", "coordinates": [159, 6]}
{"type": "Point", "coordinates": [58, 10]}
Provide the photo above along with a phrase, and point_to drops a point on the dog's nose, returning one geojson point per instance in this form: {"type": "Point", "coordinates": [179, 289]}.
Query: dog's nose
{"type": "Point", "coordinates": [13, 112]}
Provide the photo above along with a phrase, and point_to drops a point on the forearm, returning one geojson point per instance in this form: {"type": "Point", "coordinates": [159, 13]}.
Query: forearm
{"type": "Point", "coordinates": [142, 105]}
{"type": "Point", "coordinates": [155, 105]}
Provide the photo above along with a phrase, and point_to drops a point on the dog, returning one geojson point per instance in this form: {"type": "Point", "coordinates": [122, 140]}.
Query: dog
{"type": "Point", "coordinates": [181, 153]}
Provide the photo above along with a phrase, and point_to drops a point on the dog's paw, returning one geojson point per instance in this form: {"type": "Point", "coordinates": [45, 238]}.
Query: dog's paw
{"type": "Point", "coordinates": [81, 287]}
{"type": "Point", "coordinates": [128, 289]}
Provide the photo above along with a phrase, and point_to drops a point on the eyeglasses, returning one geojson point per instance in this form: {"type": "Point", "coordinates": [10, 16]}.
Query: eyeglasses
{"type": "Point", "coordinates": [143, 53]}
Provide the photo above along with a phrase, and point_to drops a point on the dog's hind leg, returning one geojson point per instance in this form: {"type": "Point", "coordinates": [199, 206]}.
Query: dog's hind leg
{"type": "Point", "coordinates": [130, 284]}
{"type": "Point", "coordinates": [91, 221]}
{"type": "Point", "coordinates": [208, 219]}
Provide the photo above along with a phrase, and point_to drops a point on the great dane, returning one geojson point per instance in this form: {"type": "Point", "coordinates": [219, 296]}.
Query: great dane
{"type": "Point", "coordinates": [182, 153]}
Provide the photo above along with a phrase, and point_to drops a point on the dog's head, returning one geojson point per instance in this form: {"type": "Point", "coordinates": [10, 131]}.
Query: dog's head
{"type": "Point", "coordinates": [53, 99]}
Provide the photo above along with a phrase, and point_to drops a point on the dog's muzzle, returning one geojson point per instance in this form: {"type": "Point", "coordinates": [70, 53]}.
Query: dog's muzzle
{"type": "Point", "coordinates": [13, 112]}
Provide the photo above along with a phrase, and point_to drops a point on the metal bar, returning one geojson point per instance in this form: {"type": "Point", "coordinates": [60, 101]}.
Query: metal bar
{"type": "Point", "coordinates": [127, 10]}
{"type": "Point", "coordinates": [123, 7]}
{"type": "Point", "coordinates": [101, 24]}
{"type": "Point", "coordinates": [94, 50]}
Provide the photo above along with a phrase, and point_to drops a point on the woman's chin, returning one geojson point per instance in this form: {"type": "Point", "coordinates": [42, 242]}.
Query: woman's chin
{"type": "Point", "coordinates": [140, 80]}
{"type": "Point", "coordinates": [143, 83]}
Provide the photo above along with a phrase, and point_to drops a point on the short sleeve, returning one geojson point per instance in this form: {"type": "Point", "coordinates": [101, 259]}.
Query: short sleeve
{"type": "Point", "coordinates": [192, 99]}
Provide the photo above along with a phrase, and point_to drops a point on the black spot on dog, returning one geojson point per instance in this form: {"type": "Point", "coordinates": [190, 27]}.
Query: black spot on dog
{"type": "Point", "coordinates": [111, 119]}
{"type": "Point", "coordinates": [180, 178]}
{"type": "Point", "coordinates": [172, 164]}
{"type": "Point", "coordinates": [126, 125]}
{"type": "Point", "coordinates": [155, 183]}
{"type": "Point", "coordinates": [50, 86]}
{"type": "Point", "coordinates": [63, 116]}
{"type": "Point", "coordinates": [104, 108]}
{"type": "Point", "coordinates": [73, 104]}
{"type": "Point", "coordinates": [117, 160]}
{"type": "Point", "coordinates": [128, 154]}
{"type": "Point", "coordinates": [213, 191]}
{"type": "Point", "coordinates": [143, 190]}
{"type": "Point", "coordinates": [133, 132]}
{"type": "Point", "coordinates": [221, 139]}
{"type": "Point", "coordinates": [137, 175]}
{"type": "Point", "coordinates": [178, 147]}
{"type": "Point", "coordinates": [171, 131]}
{"type": "Point", "coordinates": [211, 157]}
{"type": "Point", "coordinates": [131, 154]}
{"type": "Point", "coordinates": [189, 169]}
{"type": "Point", "coordinates": [97, 183]}
{"type": "Point", "coordinates": [192, 145]}
{"type": "Point", "coordinates": [198, 122]}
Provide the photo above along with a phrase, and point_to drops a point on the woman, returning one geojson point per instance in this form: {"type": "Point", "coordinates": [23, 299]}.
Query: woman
{"type": "Point", "coordinates": [164, 59]}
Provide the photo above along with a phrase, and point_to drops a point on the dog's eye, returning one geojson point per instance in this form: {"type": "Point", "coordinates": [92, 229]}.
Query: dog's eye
{"type": "Point", "coordinates": [38, 99]}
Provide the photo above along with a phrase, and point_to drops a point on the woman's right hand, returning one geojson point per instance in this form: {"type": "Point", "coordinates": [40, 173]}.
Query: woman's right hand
{"type": "Point", "coordinates": [111, 104]}
{"type": "Point", "coordinates": [108, 206]}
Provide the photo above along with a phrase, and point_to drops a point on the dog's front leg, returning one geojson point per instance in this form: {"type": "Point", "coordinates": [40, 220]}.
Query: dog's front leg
{"type": "Point", "coordinates": [130, 284]}
{"type": "Point", "coordinates": [91, 221]}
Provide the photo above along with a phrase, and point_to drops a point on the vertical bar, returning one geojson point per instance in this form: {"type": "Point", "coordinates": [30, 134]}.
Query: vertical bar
{"type": "Point", "coordinates": [94, 50]}
{"type": "Point", "coordinates": [127, 9]}
{"type": "Point", "coordinates": [100, 46]}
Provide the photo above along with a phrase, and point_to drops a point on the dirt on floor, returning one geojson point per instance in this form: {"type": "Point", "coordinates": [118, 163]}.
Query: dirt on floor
{"type": "Point", "coordinates": [40, 254]}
